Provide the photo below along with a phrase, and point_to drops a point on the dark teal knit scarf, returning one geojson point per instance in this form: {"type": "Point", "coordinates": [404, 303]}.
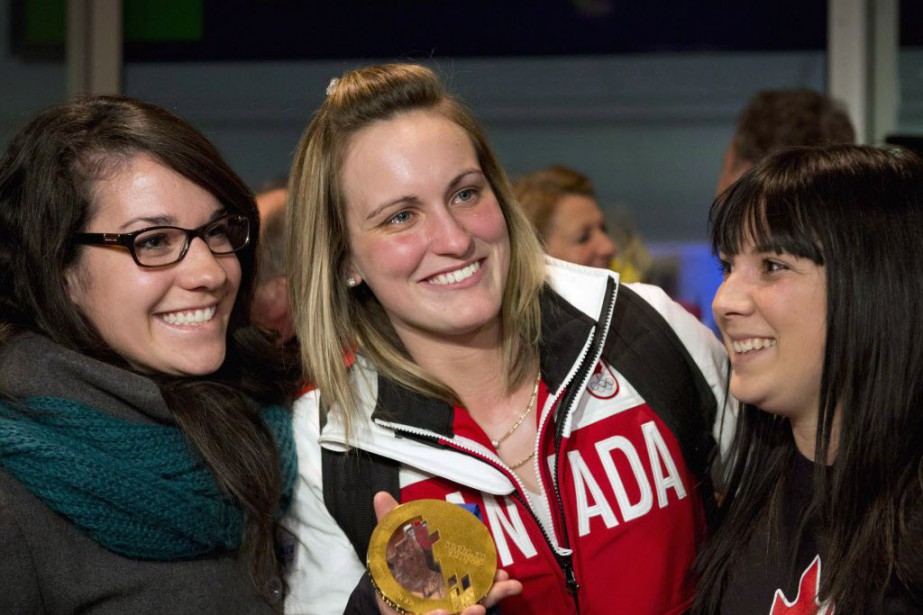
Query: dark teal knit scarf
{"type": "Point", "coordinates": [136, 489]}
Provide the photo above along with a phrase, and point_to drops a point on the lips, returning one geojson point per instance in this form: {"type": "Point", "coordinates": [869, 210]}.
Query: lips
{"type": "Point", "coordinates": [454, 277]}
{"type": "Point", "coordinates": [190, 317]}
{"type": "Point", "coordinates": [751, 344]}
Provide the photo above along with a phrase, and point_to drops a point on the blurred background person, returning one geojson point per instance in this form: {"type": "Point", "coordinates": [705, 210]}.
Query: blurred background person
{"type": "Point", "coordinates": [561, 204]}
{"type": "Point", "coordinates": [632, 261]}
{"type": "Point", "coordinates": [271, 197]}
{"type": "Point", "coordinates": [782, 118]}
{"type": "Point", "coordinates": [770, 120]}
{"type": "Point", "coordinates": [271, 308]}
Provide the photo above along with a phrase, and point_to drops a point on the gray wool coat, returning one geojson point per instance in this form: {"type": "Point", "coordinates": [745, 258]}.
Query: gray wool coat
{"type": "Point", "coordinates": [47, 565]}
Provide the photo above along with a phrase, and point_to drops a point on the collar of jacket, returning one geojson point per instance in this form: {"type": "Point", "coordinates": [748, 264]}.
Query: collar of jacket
{"type": "Point", "coordinates": [32, 365]}
{"type": "Point", "coordinates": [565, 329]}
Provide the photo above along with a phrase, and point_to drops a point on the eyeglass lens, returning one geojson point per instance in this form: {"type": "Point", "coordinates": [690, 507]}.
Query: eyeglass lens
{"type": "Point", "coordinates": [165, 245]}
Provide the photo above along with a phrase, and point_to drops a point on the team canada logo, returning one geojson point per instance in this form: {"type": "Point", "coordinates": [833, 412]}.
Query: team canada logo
{"type": "Point", "coordinates": [805, 602]}
{"type": "Point", "coordinates": [603, 384]}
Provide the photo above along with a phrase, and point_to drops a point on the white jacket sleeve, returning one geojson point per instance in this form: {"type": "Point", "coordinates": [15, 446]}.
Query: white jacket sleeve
{"type": "Point", "coordinates": [324, 570]}
{"type": "Point", "coordinates": [707, 352]}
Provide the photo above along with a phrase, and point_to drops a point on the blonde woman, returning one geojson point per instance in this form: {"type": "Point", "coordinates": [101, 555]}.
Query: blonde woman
{"type": "Point", "coordinates": [485, 374]}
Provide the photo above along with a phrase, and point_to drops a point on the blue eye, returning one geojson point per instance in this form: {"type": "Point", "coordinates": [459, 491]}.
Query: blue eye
{"type": "Point", "coordinates": [467, 195]}
{"type": "Point", "coordinates": [401, 217]}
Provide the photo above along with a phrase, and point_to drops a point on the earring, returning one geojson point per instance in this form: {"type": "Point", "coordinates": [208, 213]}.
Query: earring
{"type": "Point", "coordinates": [351, 282]}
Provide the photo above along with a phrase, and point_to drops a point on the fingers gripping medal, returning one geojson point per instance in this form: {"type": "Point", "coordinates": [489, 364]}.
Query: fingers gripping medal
{"type": "Point", "coordinates": [431, 554]}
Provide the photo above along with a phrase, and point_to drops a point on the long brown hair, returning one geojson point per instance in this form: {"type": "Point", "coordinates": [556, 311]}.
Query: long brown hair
{"type": "Point", "coordinates": [46, 180]}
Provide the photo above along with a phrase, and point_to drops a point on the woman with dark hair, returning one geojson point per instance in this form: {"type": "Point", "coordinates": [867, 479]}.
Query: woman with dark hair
{"type": "Point", "coordinates": [145, 446]}
{"type": "Point", "coordinates": [821, 311]}
{"type": "Point", "coordinates": [542, 392]}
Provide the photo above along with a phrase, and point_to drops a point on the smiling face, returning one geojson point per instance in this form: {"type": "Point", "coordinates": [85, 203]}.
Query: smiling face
{"type": "Point", "coordinates": [771, 309]}
{"type": "Point", "coordinates": [426, 231]}
{"type": "Point", "coordinates": [577, 232]}
{"type": "Point", "coordinates": [172, 319]}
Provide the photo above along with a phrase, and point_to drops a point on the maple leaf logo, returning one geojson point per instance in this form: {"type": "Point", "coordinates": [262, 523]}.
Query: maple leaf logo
{"type": "Point", "coordinates": [805, 603]}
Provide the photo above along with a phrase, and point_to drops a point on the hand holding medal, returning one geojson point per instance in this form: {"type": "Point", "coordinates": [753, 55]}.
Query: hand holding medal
{"type": "Point", "coordinates": [433, 557]}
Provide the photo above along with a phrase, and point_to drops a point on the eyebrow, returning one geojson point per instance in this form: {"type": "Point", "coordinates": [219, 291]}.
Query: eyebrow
{"type": "Point", "coordinates": [461, 176]}
{"type": "Point", "coordinates": [409, 198]}
{"type": "Point", "coordinates": [150, 220]}
{"type": "Point", "coordinates": [401, 199]}
{"type": "Point", "coordinates": [167, 219]}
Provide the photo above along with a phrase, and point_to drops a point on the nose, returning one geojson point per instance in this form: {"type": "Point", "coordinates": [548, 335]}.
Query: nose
{"type": "Point", "coordinates": [732, 298]}
{"type": "Point", "coordinates": [200, 268]}
{"type": "Point", "coordinates": [448, 234]}
{"type": "Point", "coordinates": [605, 247]}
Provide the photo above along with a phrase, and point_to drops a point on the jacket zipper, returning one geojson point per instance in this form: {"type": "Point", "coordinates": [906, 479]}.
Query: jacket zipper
{"type": "Point", "coordinates": [570, 398]}
{"type": "Point", "coordinates": [566, 561]}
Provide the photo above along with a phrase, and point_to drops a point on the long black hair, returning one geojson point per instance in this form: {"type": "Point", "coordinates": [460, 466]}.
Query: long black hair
{"type": "Point", "coordinates": [858, 211]}
{"type": "Point", "coordinates": [46, 178]}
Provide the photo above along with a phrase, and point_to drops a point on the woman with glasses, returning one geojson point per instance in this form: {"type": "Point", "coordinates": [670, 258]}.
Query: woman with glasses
{"type": "Point", "coordinates": [145, 444]}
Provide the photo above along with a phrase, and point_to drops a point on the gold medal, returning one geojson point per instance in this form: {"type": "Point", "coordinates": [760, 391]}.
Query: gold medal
{"type": "Point", "coordinates": [431, 554]}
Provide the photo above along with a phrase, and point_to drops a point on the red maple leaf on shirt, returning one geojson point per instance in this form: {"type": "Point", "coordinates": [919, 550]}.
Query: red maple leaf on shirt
{"type": "Point", "coordinates": [805, 603]}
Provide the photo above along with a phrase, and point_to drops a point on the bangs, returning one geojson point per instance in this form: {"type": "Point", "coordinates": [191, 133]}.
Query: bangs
{"type": "Point", "coordinates": [775, 220]}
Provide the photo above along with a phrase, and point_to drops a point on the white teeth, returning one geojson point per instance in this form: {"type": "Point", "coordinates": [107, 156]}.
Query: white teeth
{"type": "Point", "coordinates": [755, 343]}
{"type": "Point", "coordinates": [190, 317]}
{"type": "Point", "coordinates": [453, 277]}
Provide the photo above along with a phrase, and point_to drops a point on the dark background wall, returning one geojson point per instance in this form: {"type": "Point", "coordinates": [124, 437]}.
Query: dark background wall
{"type": "Point", "coordinates": [639, 94]}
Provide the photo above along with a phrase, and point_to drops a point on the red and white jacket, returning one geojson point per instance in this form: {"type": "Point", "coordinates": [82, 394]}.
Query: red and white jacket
{"type": "Point", "coordinates": [620, 516]}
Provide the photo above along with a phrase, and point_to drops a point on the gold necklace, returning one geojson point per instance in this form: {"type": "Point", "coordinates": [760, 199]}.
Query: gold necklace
{"type": "Point", "coordinates": [522, 417]}
{"type": "Point", "coordinates": [519, 464]}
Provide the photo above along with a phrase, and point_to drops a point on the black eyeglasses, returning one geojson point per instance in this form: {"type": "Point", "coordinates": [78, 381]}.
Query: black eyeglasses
{"type": "Point", "coordinates": [158, 246]}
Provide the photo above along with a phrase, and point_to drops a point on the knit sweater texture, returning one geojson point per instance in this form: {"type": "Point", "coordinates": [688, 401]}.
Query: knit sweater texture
{"type": "Point", "coordinates": [51, 565]}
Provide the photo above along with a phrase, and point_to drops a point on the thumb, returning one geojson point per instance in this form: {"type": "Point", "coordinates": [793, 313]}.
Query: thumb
{"type": "Point", "coordinates": [383, 503]}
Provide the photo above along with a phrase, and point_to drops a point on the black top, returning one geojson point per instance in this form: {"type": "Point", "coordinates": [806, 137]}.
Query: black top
{"type": "Point", "coordinates": [765, 581]}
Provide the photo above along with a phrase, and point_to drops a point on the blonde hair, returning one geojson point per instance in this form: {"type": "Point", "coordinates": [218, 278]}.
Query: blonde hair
{"type": "Point", "coordinates": [331, 318]}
